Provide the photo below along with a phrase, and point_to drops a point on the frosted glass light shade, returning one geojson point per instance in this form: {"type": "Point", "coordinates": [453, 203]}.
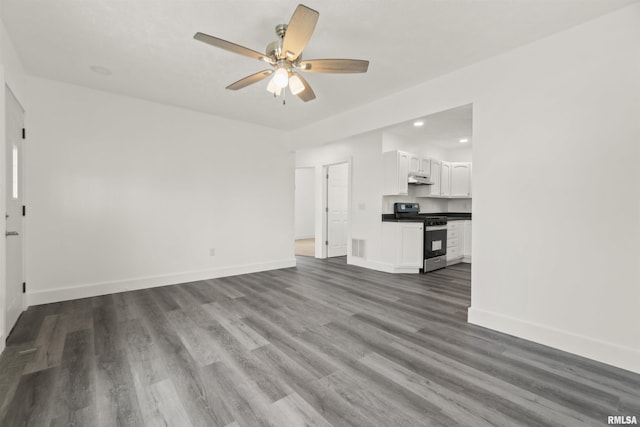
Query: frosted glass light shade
{"type": "Point", "coordinates": [273, 88]}
{"type": "Point", "coordinates": [295, 84]}
{"type": "Point", "coordinates": [281, 78]}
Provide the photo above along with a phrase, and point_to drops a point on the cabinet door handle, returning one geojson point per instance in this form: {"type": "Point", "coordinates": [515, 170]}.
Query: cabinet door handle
{"type": "Point", "coordinates": [11, 233]}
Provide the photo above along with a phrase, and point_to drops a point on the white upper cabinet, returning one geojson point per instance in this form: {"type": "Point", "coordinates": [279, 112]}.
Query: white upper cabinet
{"type": "Point", "coordinates": [460, 179]}
{"type": "Point", "coordinates": [414, 163]}
{"type": "Point", "coordinates": [419, 165]}
{"type": "Point", "coordinates": [445, 179]}
{"type": "Point", "coordinates": [395, 166]}
{"type": "Point", "coordinates": [425, 167]}
{"type": "Point", "coordinates": [450, 180]}
{"type": "Point", "coordinates": [436, 168]}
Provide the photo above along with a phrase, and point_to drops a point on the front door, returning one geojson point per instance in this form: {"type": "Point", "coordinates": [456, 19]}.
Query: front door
{"type": "Point", "coordinates": [14, 219]}
{"type": "Point", "coordinates": [337, 209]}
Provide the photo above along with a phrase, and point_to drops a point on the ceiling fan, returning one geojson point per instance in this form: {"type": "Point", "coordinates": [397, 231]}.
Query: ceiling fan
{"type": "Point", "coordinates": [285, 56]}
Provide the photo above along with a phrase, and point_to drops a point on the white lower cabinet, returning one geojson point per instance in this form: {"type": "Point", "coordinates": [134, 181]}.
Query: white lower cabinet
{"type": "Point", "coordinates": [403, 246]}
{"type": "Point", "coordinates": [458, 241]}
{"type": "Point", "coordinates": [455, 241]}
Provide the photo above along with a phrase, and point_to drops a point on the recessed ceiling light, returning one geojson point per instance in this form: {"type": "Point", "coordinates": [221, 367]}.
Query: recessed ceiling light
{"type": "Point", "coordinates": [103, 71]}
{"type": "Point", "coordinates": [463, 140]}
{"type": "Point", "coordinates": [418, 123]}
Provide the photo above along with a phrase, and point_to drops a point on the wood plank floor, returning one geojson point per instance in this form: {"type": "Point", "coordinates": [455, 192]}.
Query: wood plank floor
{"type": "Point", "coordinates": [323, 344]}
{"type": "Point", "coordinates": [305, 247]}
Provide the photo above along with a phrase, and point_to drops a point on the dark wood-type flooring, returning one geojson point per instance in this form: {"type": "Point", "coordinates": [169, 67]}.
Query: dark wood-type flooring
{"type": "Point", "coordinates": [321, 344]}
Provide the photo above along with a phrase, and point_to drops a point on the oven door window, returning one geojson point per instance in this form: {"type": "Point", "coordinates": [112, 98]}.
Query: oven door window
{"type": "Point", "coordinates": [435, 243]}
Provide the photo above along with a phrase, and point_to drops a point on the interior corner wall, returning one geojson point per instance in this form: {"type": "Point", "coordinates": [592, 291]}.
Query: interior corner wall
{"type": "Point", "coordinates": [555, 145]}
{"type": "Point", "coordinates": [127, 194]}
{"type": "Point", "coordinates": [364, 153]}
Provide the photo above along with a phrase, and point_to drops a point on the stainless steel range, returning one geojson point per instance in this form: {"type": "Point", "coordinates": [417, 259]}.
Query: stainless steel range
{"type": "Point", "coordinates": [435, 234]}
{"type": "Point", "coordinates": [435, 243]}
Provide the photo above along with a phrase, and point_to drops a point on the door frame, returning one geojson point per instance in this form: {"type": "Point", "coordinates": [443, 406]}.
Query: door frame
{"type": "Point", "coordinates": [6, 329]}
{"type": "Point", "coordinates": [325, 199]}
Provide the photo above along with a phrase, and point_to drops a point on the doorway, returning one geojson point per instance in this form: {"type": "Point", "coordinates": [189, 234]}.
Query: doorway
{"type": "Point", "coordinates": [304, 217]}
{"type": "Point", "coordinates": [14, 234]}
{"type": "Point", "coordinates": [337, 209]}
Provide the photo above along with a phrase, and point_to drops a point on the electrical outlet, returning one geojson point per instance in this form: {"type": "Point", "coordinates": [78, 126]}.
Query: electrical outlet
{"type": "Point", "coordinates": [212, 252]}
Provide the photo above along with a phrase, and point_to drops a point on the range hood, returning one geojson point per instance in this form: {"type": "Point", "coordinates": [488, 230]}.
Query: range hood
{"type": "Point", "coordinates": [419, 179]}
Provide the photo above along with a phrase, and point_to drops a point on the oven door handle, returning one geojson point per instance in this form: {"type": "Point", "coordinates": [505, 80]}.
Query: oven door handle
{"type": "Point", "coordinates": [435, 228]}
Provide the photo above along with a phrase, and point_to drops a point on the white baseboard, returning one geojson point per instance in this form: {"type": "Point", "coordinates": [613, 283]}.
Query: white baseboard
{"type": "Point", "coordinates": [602, 351]}
{"type": "Point", "coordinates": [379, 266]}
{"type": "Point", "coordinates": [96, 289]}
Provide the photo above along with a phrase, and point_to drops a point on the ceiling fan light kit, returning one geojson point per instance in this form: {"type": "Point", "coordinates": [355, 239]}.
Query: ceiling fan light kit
{"type": "Point", "coordinates": [281, 77]}
{"type": "Point", "coordinates": [285, 56]}
{"type": "Point", "coordinates": [295, 84]}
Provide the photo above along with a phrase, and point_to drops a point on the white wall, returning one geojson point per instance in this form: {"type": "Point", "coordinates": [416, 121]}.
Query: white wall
{"type": "Point", "coordinates": [462, 154]}
{"type": "Point", "coordinates": [125, 194]}
{"type": "Point", "coordinates": [12, 76]}
{"type": "Point", "coordinates": [555, 139]}
{"type": "Point", "coordinates": [423, 149]}
{"type": "Point", "coordinates": [364, 153]}
{"type": "Point", "coordinates": [305, 203]}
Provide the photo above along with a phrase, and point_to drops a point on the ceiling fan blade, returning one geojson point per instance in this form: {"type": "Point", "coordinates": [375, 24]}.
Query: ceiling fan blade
{"type": "Point", "coordinates": [301, 26]}
{"type": "Point", "coordinates": [249, 80]}
{"type": "Point", "coordinates": [307, 94]}
{"type": "Point", "coordinates": [334, 66]}
{"type": "Point", "coordinates": [231, 47]}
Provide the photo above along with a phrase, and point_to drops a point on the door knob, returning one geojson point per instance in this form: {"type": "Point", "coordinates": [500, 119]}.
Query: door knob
{"type": "Point", "coordinates": [11, 233]}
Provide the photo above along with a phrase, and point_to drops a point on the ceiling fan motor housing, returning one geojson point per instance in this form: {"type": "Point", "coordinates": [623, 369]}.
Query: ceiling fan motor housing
{"type": "Point", "coordinates": [274, 49]}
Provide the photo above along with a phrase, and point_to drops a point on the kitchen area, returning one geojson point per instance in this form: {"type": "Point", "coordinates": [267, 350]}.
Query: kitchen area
{"type": "Point", "coordinates": [409, 193]}
{"type": "Point", "coordinates": [427, 192]}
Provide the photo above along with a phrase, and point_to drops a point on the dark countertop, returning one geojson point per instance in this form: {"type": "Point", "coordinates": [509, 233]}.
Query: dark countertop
{"type": "Point", "coordinates": [451, 216]}
{"type": "Point", "coordinates": [392, 218]}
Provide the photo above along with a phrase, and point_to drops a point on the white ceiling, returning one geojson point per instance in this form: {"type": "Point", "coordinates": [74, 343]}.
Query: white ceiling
{"type": "Point", "coordinates": [443, 130]}
{"type": "Point", "coordinates": [148, 45]}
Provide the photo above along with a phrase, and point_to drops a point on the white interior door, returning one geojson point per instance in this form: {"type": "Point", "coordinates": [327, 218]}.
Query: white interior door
{"type": "Point", "coordinates": [14, 219]}
{"type": "Point", "coordinates": [337, 209]}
